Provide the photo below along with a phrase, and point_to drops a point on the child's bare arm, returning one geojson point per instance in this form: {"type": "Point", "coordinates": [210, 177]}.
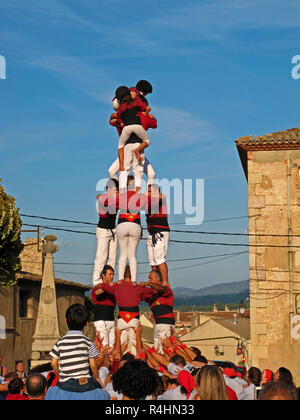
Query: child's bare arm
{"type": "Point", "coordinates": [55, 365]}
{"type": "Point", "coordinates": [94, 369]}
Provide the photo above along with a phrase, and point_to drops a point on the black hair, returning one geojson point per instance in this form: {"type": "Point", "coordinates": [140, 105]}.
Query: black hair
{"type": "Point", "coordinates": [285, 376]}
{"type": "Point", "coordinates": [50, 379]}
{"type": "Point", "coordinates": [158, 274]}
{"type": "Point", "coordinates": [15, 386]}
{"type": "Point", "coordinates": [135, 380]}
{"type": "Point", "coordinates": [144, 86]}
{"type": "Point", "coordinates": [201, 359]}
{"type": "Point", "coordinates": [36, 384]}
{"type": "Point", "coordinates": [254, 375]}
{"type": "Point", "coordinates": [128, 357]}
{"type": "Point", "coordinates": [77, 317]}
{"type": "Point", "coordinates": [41, 368]}
{"type": "Point", "coordinates": [126, 98]}
{"type": "Point", "coordinates": [106, 268]}
{"type": "Point", "coordinates": [171, 381]}
{"type": "Point", "coordinates": [112, 182]}
{"type": "Point", "coordinates": [273, 390]}
{"type": "Point", "coordinates": [197, 352]}
{"type": "Point", "coordinates": [178, 359]}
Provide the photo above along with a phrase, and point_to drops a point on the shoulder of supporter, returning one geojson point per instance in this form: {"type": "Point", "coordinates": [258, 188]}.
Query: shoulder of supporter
{"type": "Point", "coordinates": [57, 394]}
{"type": "Point", "coordinates": [108, 288]}
{"type": "Point", "coordinates": [147, 292]}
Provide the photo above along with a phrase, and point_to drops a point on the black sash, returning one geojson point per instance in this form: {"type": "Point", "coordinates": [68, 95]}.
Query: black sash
{"type": "Point", "coordinates": [104, 313]}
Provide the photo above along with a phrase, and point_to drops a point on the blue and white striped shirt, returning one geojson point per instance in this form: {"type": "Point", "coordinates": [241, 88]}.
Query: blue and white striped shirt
{"type": "Point", "coordinates": [73, 352]}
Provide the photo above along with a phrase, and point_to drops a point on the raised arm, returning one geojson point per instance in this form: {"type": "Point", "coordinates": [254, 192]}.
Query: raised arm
{"type": "Point", "coordinates": [157, 287]}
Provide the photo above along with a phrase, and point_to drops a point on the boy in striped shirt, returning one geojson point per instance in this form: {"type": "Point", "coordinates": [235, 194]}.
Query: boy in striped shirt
{"type": "Point", "coordinates": [74, 355]}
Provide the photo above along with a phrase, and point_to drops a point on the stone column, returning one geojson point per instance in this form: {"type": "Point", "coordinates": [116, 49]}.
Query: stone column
{"type": "Point", "coordinates": [47, 327]}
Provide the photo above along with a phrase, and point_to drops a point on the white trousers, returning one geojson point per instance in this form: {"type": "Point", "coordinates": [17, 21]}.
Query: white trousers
{"type": "Point", "coordinates": [157, 253]}
{"type": "Point", "coordinates": [161, 332]}
{"type": "Point", "coordinates": [106, 329]}
{"type": "Point", "coordinates": [131, 162]}
{"type": "Point", "coordinates": [106, 251]}
{"type": "Point", "coordinates": [147, 169]}
{"type": "Point", "coordinates": [136, 129]}
{"type": "Point", "coordinates": [128, 334]}
{"type": "Point", "coordinates": [129, 235]}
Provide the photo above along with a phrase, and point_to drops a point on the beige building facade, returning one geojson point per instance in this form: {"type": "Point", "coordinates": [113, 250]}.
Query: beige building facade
{"type": "Point", "coordinates": [222, 339]}
{"type": "Point", "coordinates": [19, 306]}
{"type": "Point", "coordinates": [272, 166]}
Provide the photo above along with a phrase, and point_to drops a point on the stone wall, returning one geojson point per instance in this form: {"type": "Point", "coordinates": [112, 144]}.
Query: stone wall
{"type": "Point", "coordinates": [32, 257]}
{"type": "Point", "coordinates": [19, 333]}
{"type": "Point", "coordinates": [272, 345]}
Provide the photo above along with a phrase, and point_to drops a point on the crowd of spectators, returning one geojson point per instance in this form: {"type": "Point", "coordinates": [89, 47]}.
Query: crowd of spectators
{"type": "Point", "coordinates": [84, 370]}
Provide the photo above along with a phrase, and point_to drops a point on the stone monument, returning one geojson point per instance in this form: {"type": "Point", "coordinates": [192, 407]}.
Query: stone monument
{"type": "Point", "coordinates": [47, 327]}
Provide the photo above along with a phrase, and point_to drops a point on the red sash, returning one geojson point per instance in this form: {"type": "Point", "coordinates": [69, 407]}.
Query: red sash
{"type": "Point", "coordinates": [128, 316]}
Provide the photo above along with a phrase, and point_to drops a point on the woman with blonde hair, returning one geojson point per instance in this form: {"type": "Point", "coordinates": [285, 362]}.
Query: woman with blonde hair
{"type": "Point", "coordinates": [210, 384]}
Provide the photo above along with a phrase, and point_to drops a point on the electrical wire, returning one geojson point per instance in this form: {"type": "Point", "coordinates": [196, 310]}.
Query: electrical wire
{"type": "Point", "coordinates": [170, 269]}
{"type": "Point", "coordinates": [178, 241]}
{"type": "Point", "coordinates": [146, 262]}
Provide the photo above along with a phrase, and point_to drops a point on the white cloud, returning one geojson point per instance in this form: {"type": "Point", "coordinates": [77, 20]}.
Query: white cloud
{"type": "Point", "coordinates": [179, 128]}
{"type": "Point", "coordinates": [91, 80]}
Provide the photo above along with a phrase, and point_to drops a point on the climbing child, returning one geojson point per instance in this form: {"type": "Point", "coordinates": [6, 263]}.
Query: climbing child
{"type": "Point", "coordinates": [129, 117]}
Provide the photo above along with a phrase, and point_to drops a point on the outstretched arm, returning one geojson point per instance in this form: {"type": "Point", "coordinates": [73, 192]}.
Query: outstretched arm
{"type": "Point", "coordinates": [157, 287]}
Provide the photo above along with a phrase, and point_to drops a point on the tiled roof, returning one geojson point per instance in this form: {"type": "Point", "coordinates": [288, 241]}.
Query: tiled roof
{"type": "Point", "coordinates": [36, 278]}
{"type": "Point", "coordinates": [242, 328]}
{"type": "Point", "coordinates": [287, 139]}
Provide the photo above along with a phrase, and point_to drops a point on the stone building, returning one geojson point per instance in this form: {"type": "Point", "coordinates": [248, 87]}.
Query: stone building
{"type": "Point", "coordinates": [271, 164]}
{"type": "Point", "coordinates": [221, 338]}
{"type": "Point", "coordinates": [19, 306]}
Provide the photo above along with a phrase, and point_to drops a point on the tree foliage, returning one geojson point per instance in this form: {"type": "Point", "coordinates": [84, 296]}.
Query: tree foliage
{"type": "Point", "coordinates": [10, 239]}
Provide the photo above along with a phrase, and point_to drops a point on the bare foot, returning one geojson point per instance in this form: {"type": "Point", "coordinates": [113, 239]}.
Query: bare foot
{"type": "Point", "coordinates": [138, 156]}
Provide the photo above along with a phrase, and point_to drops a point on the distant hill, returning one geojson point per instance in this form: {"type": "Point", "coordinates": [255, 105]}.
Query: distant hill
{"type": "Point", "coordinates": [219, 293]}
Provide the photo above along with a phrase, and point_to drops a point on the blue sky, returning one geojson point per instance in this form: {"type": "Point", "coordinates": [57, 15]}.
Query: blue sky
{"type": "Point", "coordinates": [221, 69]}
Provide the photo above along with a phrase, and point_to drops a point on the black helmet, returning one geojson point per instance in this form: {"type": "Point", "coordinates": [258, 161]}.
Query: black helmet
{"type": "Point", "coordinates": [144, 86]}
{"type": "Point", "coordinates": [121, 92]}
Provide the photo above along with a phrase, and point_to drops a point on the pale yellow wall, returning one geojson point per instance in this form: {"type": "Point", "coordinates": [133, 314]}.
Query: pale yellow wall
{"type": "Point", "coordinates": [145, 322]}
{"type": "Point", "coordinates": [208, 333]}
{"type": "Point", "coordinates": [269, 267]}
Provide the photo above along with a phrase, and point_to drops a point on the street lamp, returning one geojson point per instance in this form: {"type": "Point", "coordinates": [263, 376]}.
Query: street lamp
{"type": "Point", "coordinates": [242, 308]}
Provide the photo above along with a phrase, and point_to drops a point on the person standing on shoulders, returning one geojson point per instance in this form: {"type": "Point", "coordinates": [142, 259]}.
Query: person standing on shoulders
{"type": "Point", "coordinates": [159, 231]}
{"type": "Point", "coordinates": [106, 231]}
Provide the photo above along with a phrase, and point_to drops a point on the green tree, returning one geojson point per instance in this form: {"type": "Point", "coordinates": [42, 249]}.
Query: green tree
{"type": "Point", "coordinates": [10, 239]}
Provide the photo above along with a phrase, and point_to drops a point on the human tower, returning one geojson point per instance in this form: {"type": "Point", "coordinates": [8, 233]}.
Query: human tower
{"type": "Point", "coordinates": [120, 226]}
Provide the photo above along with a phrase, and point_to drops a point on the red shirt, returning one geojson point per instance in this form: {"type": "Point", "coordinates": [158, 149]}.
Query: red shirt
{"type": "Point", "coordinates": [127, 295]}
{"type": "Point", "coordinates": [16, 397]}
{"type": "Point", "coordinates": [136, 103]}
{"type": "Point", "coordinates": [146, 121]}
{"type": "Point", "coordinates": [161, 305]}
{"type": "Point", "coordinates": [231, 394]}
{"type": "Point", "coordinates": [104, 306]}
{"type": "Point", "coordinates": [105, 299]}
